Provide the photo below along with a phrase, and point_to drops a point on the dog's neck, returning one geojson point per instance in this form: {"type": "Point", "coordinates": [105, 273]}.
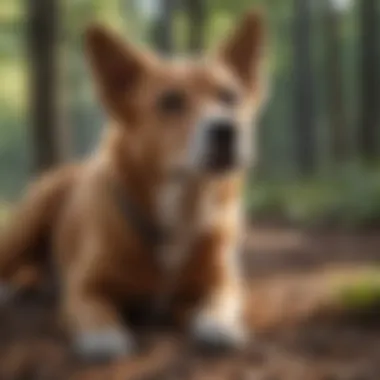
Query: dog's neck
{"type": "Point", "coordinates": [138, 176]}
{"type": "Point", "coordinates": [162, 200]}
{"type": "Point", "coordinates": [170, 204]}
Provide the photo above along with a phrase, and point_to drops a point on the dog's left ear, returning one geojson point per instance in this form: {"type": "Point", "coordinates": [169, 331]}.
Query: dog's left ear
{"type": "Point", "coordinates": [118, 68]}
{"type": "Point", "coordinates": [243, 52]}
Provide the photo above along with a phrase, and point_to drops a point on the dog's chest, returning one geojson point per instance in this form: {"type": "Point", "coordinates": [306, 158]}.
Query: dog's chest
{"type": "Point", "coordinates": [183, 207]}
{"type": "Point", "coordinates": [172, 218]}
{"type": "Point", "coordinates": [169, 206]}
{"type": "Point", "coordinates": [182, 210]}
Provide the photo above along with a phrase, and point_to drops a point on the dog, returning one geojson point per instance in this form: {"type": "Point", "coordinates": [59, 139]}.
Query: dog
{"type": "Point", "coordinates": [156, 210]}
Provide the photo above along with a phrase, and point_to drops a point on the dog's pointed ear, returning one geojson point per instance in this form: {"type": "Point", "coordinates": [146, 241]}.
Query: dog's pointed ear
{"type": "Point", "coordinates": [117, 67]}
{"type": "Point", "coordinates": [243, 51]}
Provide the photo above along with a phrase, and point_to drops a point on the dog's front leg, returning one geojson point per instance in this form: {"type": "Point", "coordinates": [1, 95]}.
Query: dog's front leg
{"type": "Point", "coordinates": [98, 334]}
{"type": "Point", "coordinates": [91, 308]}
{"type": "Point", "coordinates": [218, 324]}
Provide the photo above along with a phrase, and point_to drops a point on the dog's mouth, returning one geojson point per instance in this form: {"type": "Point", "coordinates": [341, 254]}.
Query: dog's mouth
{"type": "Point", "coordinates": [221, 159]}
{"type": "Point", "coordinates": [213, 163]}
{"type": "Point", "coordinates": [220, 167]}
{"type": "Point", "coordinates": [214, 160]}
{"type": "Point", "coordinates": [221, 148]}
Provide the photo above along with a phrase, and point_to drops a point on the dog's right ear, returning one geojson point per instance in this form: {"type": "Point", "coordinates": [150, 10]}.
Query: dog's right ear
{"type": "Point", "coordinates": [244, 52]}
{"type": "Point", "coordinates": [118, 69]}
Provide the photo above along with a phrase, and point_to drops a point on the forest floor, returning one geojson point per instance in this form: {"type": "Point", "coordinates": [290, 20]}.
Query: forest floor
{"type": "Point", "coordinates": [303, 329]}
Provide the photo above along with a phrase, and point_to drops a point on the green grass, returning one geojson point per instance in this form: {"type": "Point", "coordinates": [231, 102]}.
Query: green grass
{"type": "Point", "coordinates": [362, 293]}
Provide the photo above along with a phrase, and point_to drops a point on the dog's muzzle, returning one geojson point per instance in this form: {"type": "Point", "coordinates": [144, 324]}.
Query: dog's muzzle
{"type": "Point", "coordinates": [222, 146]}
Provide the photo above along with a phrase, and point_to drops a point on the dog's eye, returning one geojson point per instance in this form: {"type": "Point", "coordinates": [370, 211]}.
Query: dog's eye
{"type": "Point", "coordinates": [173, 101]}
{"type": "Point", "coordinates": [228, 96]}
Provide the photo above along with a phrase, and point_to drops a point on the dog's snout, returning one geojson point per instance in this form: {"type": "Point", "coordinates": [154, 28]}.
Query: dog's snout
{"type": "Point", "coordinates": [221, 145]}
{"type": "Point", "coordinates": [222, 134]}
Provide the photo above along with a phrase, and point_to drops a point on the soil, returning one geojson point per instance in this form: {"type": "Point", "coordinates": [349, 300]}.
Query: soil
{"type": "Point", "coordinates": [300, 332]}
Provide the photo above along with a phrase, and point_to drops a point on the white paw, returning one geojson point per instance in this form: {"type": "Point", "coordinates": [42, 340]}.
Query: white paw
{"type": "Point", "coordinates": [104, 344]}
{"type": "Point", "coordinates": [214, 333]}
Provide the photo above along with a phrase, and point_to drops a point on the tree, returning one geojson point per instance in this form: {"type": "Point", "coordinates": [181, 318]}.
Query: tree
{"type": "Point", "coordinates": [303, 117]}
{"type": "Point", "coordinates": [196, 13]}
{"type": "Point", "coordinates": [163, 27]}
{"type": "Point", "coordinates": [370, 91]}
{"type": "Point", "coordinates": [43, 34]}
{"type": "Point", "coordinates": [334, 75]}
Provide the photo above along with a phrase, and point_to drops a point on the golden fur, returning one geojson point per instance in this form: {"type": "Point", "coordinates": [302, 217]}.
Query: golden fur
{"type": "Point", "coordinates": [102, 260]}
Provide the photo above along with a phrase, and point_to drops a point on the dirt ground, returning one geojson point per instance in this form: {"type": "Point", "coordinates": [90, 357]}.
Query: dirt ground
{"type": "Point", "coordinates": [300, 333]}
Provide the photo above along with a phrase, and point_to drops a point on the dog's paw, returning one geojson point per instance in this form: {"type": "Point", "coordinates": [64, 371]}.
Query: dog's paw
{"type": "Point", "coordinates": [216, 335]}
{"type": "Point", "coordinates": [103, 345]}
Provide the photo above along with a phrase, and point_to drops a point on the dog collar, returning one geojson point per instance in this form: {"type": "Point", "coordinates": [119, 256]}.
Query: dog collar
{"type": "Point", "coordinates": [152, 234]}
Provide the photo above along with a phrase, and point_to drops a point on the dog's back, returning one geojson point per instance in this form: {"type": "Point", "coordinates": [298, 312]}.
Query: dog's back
{"type": "Point", "coordinates": [21, 253]}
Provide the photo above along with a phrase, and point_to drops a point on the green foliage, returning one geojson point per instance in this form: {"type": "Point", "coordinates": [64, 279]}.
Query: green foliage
{"type": "Point", "coordinates": [5, 210]}
{"type": "Point", "coordinates": [10, 10]}
{"type": "Point", "coordinates": [350, 198]}
{"type": "Point", "coordinates": [13, 141]}
{"type": "Point", "coordinates": [13, 87]}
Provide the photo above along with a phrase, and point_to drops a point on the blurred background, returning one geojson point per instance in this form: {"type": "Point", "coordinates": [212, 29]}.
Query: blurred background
{"type": "Point", "coordinates": [319, 139]}
{"type": "Point", "coordinates": [314, 195]}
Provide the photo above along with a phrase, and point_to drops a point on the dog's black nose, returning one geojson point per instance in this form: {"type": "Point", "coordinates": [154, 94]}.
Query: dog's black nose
{"type": "Point", "coordinates": [222, 134]}
{"type": "Point", "coordinates": [222, 138]}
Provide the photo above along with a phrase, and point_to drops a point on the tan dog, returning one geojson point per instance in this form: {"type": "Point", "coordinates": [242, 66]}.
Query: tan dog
{"type": "Point", "coordinates": [156, 211]}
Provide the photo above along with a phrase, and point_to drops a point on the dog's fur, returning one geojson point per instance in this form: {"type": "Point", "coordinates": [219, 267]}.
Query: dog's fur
{"type": "Point", "coordinates": [102, 259]}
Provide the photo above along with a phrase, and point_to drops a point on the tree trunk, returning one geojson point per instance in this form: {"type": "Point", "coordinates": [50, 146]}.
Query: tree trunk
{"type": "Point", "coordinates": [304, 115]}
{"type": "Point", "coordinates": [42, 36]}
{"type": "Point", "coordinates": [197, 17]}
{"type": "Point", "coordinates": [163, 28]}
{"type": "Point", "coordinates": [334, 75]}
{"type": "Point", "coordinates": [370, 91]}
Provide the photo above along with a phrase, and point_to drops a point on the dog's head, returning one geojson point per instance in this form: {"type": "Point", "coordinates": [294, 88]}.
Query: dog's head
{"type": "Point", "coordinates": [191, 116]}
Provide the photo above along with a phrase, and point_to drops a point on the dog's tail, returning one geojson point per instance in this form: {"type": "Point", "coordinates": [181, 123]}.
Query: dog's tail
{"type": "Point", "coordinates": [22, 255]}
